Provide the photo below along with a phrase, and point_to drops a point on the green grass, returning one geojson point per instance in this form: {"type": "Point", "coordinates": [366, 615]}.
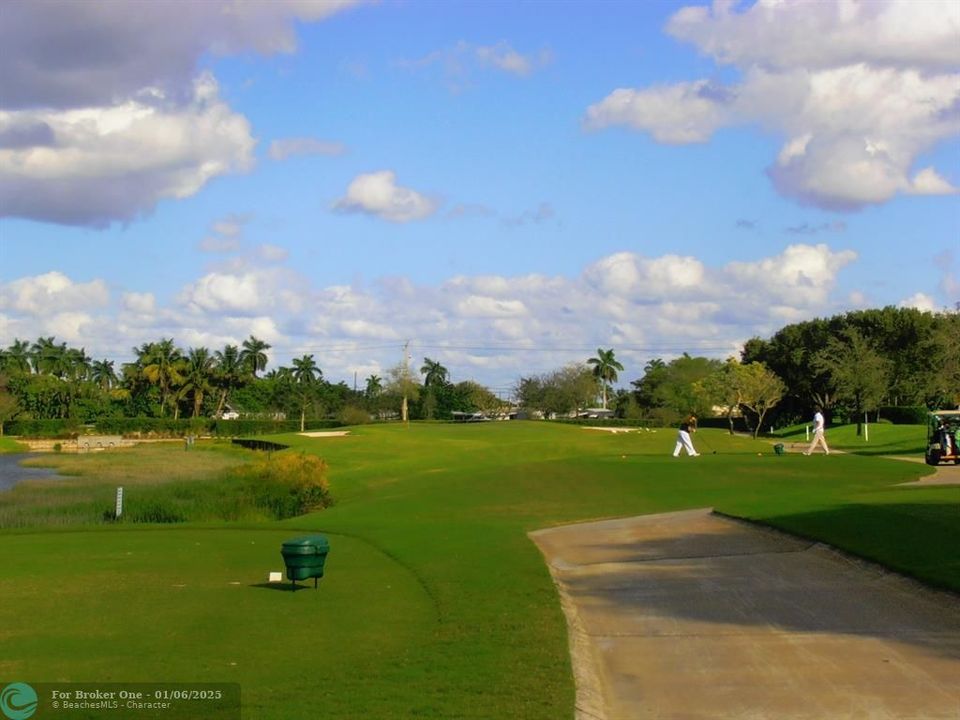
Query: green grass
{"type": "Point", "coordinates": [879, 439]}
{"type": "Point", "coordinates": [435, 604]}
{"type": "Point", "coordinates": [10, 445]}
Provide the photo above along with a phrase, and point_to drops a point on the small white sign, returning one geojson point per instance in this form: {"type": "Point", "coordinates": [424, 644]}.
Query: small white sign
{"type": "Point", "coordinates": [276, 577]}
{"type": "Point", "coordinates": [119, 501]}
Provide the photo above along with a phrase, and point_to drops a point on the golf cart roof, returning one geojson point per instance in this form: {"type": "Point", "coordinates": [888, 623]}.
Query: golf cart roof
{"type": "Point", "coordinates": [945, 413]}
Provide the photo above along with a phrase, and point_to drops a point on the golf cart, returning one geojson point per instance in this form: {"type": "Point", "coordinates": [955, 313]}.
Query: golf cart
{"type": "Point", "coordinates": [942, 427]}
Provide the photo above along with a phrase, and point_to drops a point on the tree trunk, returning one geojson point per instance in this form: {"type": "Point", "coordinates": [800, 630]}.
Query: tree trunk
{"type": "Point", "coordinates": [759, 423]}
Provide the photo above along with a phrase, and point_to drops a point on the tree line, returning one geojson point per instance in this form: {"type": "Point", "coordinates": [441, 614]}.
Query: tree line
{"type": "Point", "coordinates": [46, 380]}
{"type": "Point", "coordinates": [847, 364]}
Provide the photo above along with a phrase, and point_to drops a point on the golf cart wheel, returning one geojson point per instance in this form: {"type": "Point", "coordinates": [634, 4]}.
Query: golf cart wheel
{"type": "Point", "coordinates": [933, 457]}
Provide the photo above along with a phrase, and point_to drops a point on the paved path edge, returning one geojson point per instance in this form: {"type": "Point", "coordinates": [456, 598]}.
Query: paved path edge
{"type": "Point", "coordinates": [590, 703]}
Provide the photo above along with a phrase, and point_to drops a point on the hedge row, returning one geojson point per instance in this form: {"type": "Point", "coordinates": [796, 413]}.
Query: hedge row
{"type": "Point", "coordinates": [903, 415]}
{"type": "Point", "coordinates": [160, 427]}
{"type": "Point", "coordinates": [606, 422]}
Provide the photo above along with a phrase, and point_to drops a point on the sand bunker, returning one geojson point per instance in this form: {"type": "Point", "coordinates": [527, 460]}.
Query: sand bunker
{"type": "Point", "coordinates": [325, 433]}
{"type": "Point", "coordinates": [609, 429]}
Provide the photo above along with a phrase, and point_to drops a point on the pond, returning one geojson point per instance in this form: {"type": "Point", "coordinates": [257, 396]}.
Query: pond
{"type": "Point", "coordinates": [12, 472]}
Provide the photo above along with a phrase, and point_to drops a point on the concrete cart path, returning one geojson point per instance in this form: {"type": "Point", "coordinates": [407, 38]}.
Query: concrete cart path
{"type": "Point", "coordinates": [693, 615]}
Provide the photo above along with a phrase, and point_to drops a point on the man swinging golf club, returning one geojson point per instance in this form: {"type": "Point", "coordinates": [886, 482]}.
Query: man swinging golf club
{"type": "Point", "coordinates": [684, 441]}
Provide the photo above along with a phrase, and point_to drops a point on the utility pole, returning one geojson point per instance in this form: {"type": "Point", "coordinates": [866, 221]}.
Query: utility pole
{"type": "Point", "coordinates": [404, 379]}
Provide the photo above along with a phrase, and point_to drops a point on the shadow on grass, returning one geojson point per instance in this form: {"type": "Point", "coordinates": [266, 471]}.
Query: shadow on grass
{"type": "Point", "coordinates": [919, 539]}
{"type": "Point", "coordinates": [918, 450]}
{"type": "Point", "coordinates": [282, 587]}
{"type": "Point", "coordinates": [747, 577]}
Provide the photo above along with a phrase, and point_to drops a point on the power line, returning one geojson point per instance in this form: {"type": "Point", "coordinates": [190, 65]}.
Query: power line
{"type": "Point", "coordinates": [504, 348]}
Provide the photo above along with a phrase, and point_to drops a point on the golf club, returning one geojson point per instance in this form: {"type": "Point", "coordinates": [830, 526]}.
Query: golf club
{"type": "Point", "coordinates": [709, 446]}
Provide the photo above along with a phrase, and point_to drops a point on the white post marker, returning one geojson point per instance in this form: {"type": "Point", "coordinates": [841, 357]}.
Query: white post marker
{"type": "Point", "coordinates": [119, 511]}
{"type": "Point", "coordinates": [866, 428]}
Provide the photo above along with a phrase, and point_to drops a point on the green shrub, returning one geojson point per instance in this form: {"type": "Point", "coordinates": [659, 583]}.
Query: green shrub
{"type": "Point", "coordinates": [286, 484]}
{"type": "Point", "coordinates": [42, 428]}
{"type": "Point", "coordinates": [168, 427]}
{"type": "Point", "coordinates": [239, 428]}
{"type": "Point", "coordinates": [606, 422]}
{"type": "Point", "coordinates": [352, 415]}
{"type": "Point", "coordinates": [904, 414]}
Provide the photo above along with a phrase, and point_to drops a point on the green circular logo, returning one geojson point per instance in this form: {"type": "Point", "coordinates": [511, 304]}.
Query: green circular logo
{"type": "Point", "coordinates": [18, 701]}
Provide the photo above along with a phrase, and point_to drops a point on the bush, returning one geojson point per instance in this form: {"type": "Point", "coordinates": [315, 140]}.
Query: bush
{"type": "Point", "coordinates": [238, 428]}
{"type": "Point", "coordinates": [606, 422]}
{"type": "Point", "coordinates": [904, 414]}
{"type": "Point", "coordinates": [352, 415]}
{"type": "Point", "coordinates": [160, 427]}
{"type": "Point", "coordinates": [42, 428]}
{"type": "Point", "coordinates": [286, 484]}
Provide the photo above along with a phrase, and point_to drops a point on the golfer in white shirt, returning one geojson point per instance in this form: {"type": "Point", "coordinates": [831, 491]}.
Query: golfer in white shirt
{"type": "Point", "coordinates": [818, 437]}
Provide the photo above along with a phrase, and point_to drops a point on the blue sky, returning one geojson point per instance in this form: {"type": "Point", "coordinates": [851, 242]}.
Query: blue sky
{"type": "Point", "coordinates": [507, 186]}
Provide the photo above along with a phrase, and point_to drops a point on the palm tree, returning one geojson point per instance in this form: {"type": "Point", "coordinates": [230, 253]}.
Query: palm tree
{"type": "Point", "coordinates": [605, 367]}
{"type": "Point", "coordinates": [163, 366]}
{"type": "Point", "coordinates": [16, 358]}
{"type": "Point", "coordinates": [305, 374]}
{"type": "Point", "coordinates": [305, 369]}
{"type": "Point", "coordinates": [253, 355]}
{"type": "Point", "coordinates": [77, 364]}
{"type": "Point", "coordinates": [229, 374]}
{"type": "Point", "coordinates": [374, 386]}
{"type": "Point", "coordinates": [198, 376]}
{"type": "Point", "coordinates": [48, 357]}
{"type": "Point", "coordinates": [103, 374]}
{"type": "Point", "coordinates": [434, 373]}
{"type": "Point", "coordinates": [135, 382]}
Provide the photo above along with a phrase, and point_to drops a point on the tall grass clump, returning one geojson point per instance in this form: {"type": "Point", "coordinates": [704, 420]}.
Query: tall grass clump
{"type": "Point", "coordinates": [285, 485]}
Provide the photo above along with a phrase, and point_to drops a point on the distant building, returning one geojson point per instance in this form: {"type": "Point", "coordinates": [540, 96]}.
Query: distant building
{"type": "Point", "coordinates": [230, 413]}
{"type": "Point", "coordinates": [595, 413]}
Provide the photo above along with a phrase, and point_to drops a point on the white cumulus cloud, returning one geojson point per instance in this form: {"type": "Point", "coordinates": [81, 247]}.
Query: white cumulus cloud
{"type": "Point", "coordinates": [139, 303]}
{"type": "Point", "coordinates": [379, 195]}
{"type": "Point", "coordinates": [491, 328]}
{"type": "Point", "coordinates": [117, 162]}
{"type": "Point", "coordinates": [857, 91]}
{"type": "Point", "coordinates": [117, 49]}
{"type": "Point", "coordinates": [52, 292]}
{"type": "Point", "coordinates": [919, 301]}
{"type": "Point", "coordinates": [102, 112]}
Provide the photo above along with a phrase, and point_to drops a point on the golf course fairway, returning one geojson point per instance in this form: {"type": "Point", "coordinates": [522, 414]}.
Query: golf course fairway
{"type": "Point", "coordinates": [435, 603]}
